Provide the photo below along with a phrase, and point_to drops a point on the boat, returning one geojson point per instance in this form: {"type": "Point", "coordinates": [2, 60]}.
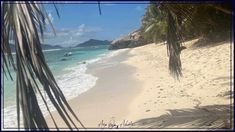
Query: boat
{"type": "Point", "coordinates": [68, 54]}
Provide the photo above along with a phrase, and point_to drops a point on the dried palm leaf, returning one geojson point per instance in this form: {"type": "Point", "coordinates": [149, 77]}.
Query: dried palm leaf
{"type": "Point", "coordinates": [176, 13]}
{"type": "Point", "coordinates": [173, 46]}
{"type": "Point", "coordinates": [22, 21]}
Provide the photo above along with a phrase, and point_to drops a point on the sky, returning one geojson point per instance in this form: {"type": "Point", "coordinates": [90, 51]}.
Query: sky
{"type": "Point", "coordinates": [80, 22]}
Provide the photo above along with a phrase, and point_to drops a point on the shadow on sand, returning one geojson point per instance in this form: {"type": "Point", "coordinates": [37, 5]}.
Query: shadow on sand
{"type": "Point", "coordinates": [203, 42]}
{"type": "Point", "coordinates": [206, 117]}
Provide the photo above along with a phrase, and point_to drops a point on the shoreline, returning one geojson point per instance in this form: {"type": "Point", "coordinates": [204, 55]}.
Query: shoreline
{"type": "Point", "coordinates": [136, 86]}
{"type": "Point", "coordinates": [79, 81]}
{"type": "Point", "coordinates": [108, 97]}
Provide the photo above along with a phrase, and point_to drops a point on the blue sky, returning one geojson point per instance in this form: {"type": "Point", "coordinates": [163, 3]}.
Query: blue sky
{"type": "Point", "coordinates": [81, 22]}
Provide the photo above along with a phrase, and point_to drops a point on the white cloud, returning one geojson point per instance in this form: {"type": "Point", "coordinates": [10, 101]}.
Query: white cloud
{"type": "Point", "coordinates": [50, 17]}
{"type": "Point", "coordinates": [71, 37]}
{"type": "Point", "coordinates": [82, 26]}
{"type": "Point", "coordinates": [81, 30]}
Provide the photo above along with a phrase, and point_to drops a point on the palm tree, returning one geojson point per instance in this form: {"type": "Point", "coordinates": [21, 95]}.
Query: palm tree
{"type": "Point", "coordinates": [154, 22]}
{"type": "Point", "coordinates": [177, 16]}
{"type": "Point", "coordinates": [162, 22]}
{"type": "Point", "coordinates": [22, 22]}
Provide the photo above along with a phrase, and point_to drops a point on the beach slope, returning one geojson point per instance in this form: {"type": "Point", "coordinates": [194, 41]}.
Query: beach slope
{"type": "Point", "coordinates": [136, 86]}
{"type": "Point", "coordinates": [200, 99]}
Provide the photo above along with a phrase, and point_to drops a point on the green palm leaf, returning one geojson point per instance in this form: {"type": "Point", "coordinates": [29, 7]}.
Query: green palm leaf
{"type": "Point", "coordinates": [22, 21]}
{"type": "Point", "coordinates": [151, 27]}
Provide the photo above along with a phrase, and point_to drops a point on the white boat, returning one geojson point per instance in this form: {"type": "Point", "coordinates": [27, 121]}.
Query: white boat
{"type": "Point", "coordinates": [68, 54]}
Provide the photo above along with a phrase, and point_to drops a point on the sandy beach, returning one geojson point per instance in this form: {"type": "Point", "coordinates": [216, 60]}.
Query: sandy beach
{"type": "Point", "coordinates": [135, 87]}
{"type": "Point", "coordinates": [109, 99]}
{"type": "Point", "coordinates": [202, 97]}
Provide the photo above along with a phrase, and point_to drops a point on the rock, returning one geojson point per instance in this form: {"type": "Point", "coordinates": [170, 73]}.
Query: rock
{"type": "Point", "coordinates": [132, 40]}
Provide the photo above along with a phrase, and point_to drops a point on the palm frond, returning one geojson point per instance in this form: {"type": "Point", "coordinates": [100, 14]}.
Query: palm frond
{"type": "Point", "coordinates": [176, 14]}
{"type": "Point", "coordinates": [99, 7]}
{"type": "Point", "coordinates": [150, 27]}
{"type": "Point", "coordinates": [23, 21]}
{"type": "Point", "coordinates": [173, 46]}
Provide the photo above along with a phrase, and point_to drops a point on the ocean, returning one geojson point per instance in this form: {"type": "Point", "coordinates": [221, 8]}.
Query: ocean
{"type": "Point", "coordinates": [69, 72]}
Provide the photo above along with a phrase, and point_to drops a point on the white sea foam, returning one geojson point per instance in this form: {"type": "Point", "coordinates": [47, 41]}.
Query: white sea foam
{"type": "Point", "coordinates": [73, 83]}
{"type": "Point", "coordinates": [116, 52]}
{"type": "Point", "coordinates": [51, 50]}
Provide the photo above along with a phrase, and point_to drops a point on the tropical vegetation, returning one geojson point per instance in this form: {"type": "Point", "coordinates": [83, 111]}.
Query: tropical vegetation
{"type": "Point", "coordinates": [24, 23]}
{"type": "Point", "coordinates": [175, 23]}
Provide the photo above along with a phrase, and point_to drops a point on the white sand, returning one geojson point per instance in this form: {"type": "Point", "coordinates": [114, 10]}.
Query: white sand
{"type": "Point", "coordinates": [109, 99]}
{"type": "Point", "coordinates": [205, 82]}
{"type": "Point", "coordinates": [145, 92]}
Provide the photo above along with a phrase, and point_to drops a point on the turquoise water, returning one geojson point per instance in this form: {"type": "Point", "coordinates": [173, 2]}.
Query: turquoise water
{"type": "Point", "coordinates": [64, 71]}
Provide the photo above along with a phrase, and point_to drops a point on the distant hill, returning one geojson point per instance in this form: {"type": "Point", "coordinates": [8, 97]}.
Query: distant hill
{"type": "Point", "coordinates": [93, 42]}
{"type": "Point", "coordinates": [47, 47]}
{"type": "Point", "coordinates": [44, 47]}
